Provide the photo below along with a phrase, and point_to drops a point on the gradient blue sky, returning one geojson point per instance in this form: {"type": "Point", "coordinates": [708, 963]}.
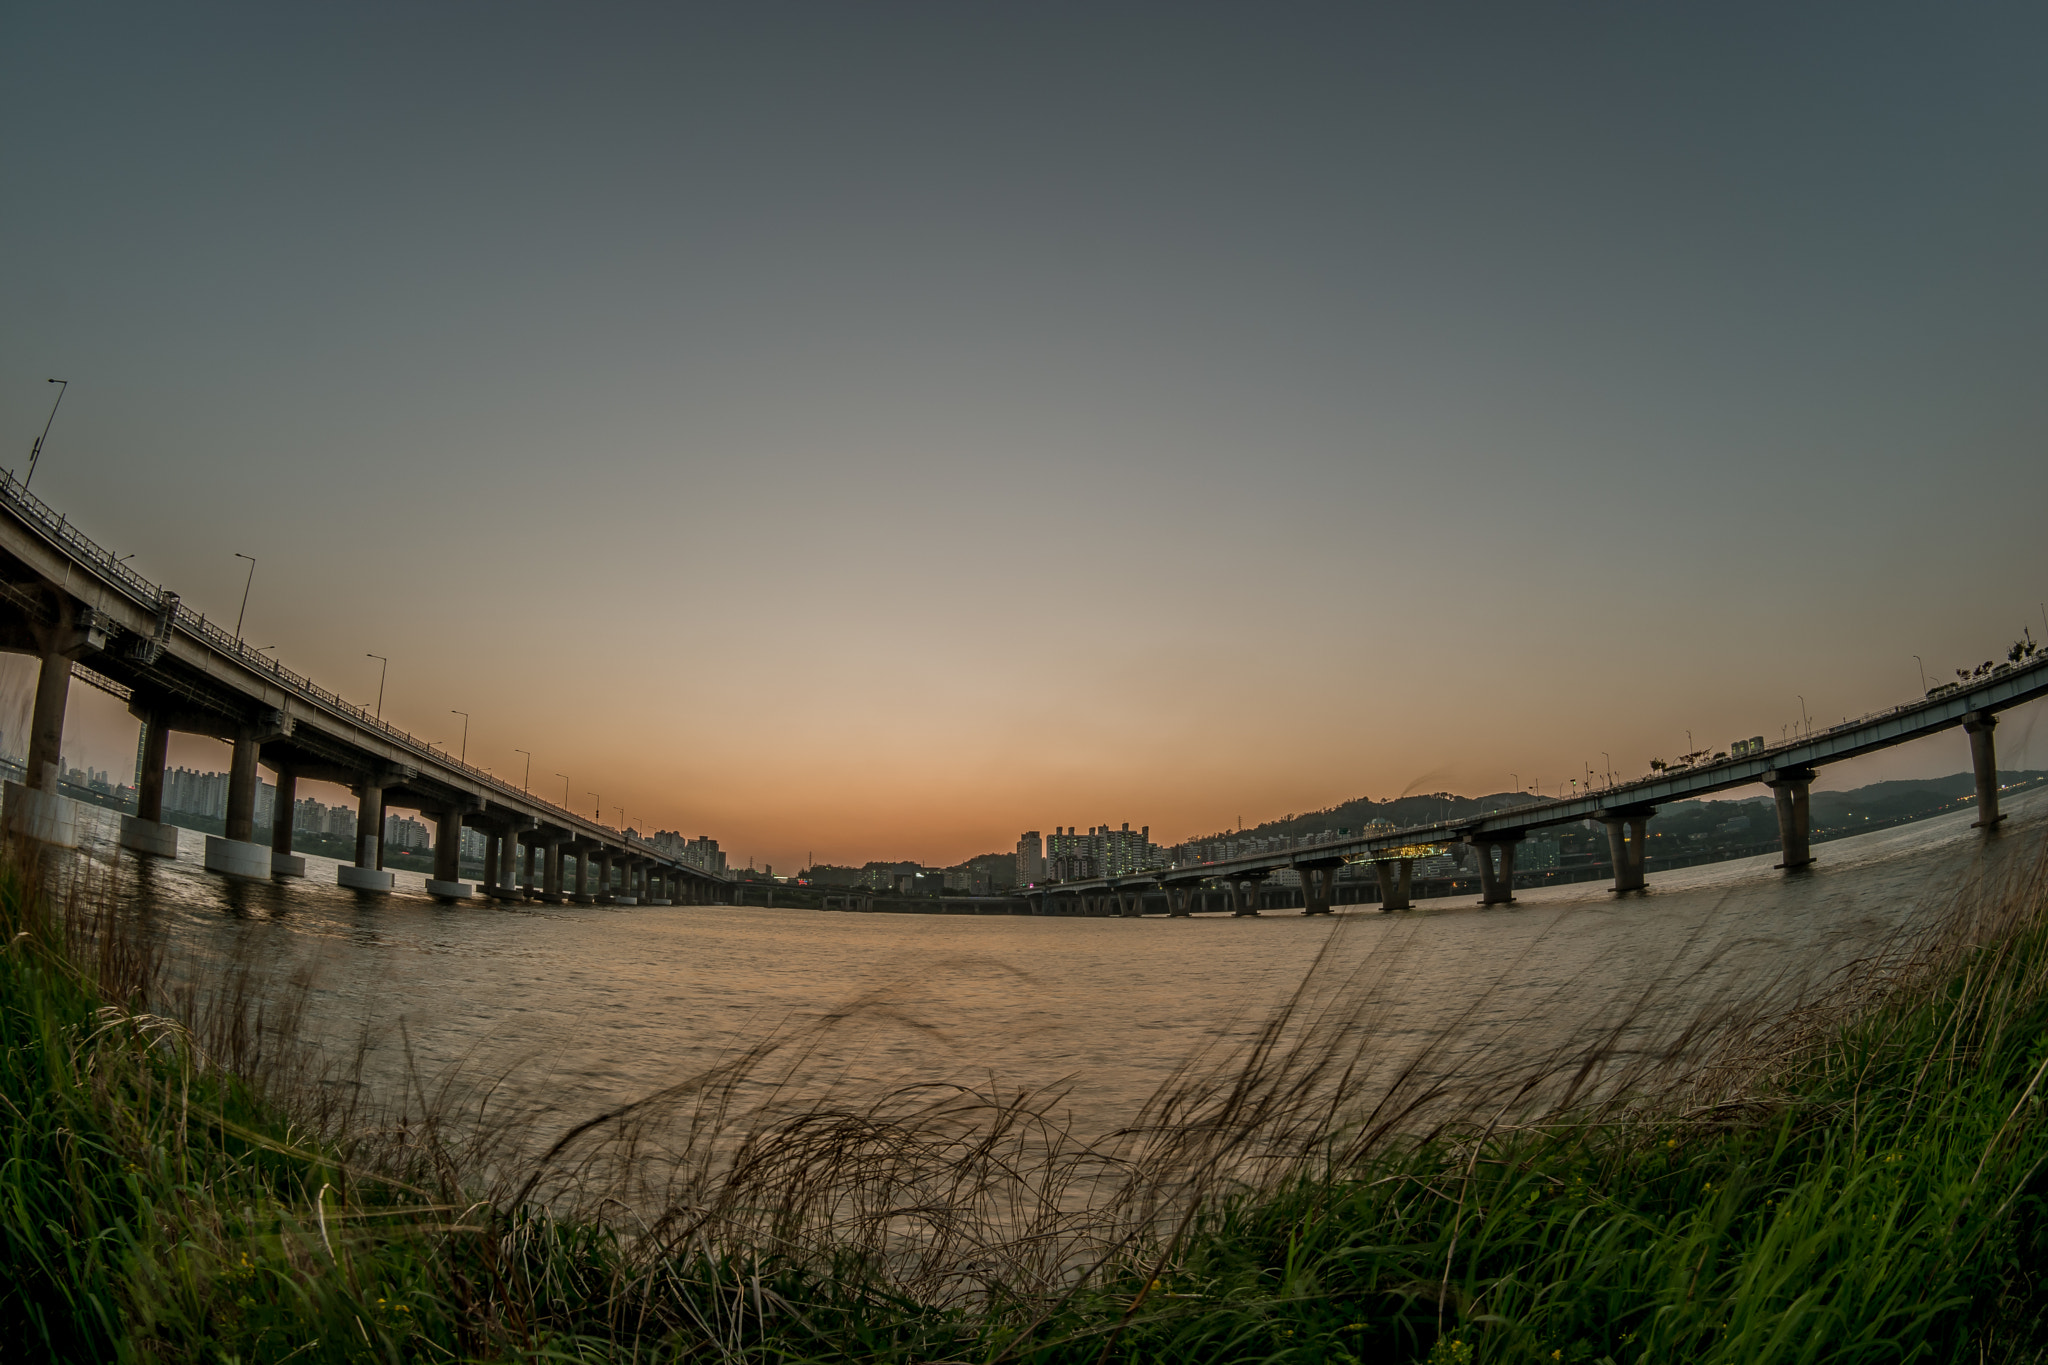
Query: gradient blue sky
{"type": "Point", "coordinates": [873, 431]}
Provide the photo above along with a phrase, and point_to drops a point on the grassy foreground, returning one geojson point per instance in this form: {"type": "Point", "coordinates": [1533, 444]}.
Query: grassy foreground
{"type": "Point", "coordinates": [1862, 1183]}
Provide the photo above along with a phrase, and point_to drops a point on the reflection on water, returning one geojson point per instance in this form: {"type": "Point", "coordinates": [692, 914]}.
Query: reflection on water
{"type": "Point", "coordinates": [595, 1004]}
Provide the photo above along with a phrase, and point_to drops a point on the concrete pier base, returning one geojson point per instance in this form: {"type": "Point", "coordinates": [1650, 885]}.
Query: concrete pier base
{"type": "Point", "coordinates": [238, 858]}
{"type": "Point", "coordinates": [1789, 789]}
{"type": "Point", "coordinates": [1397, 883]}
{"type": "Point", "coordinates": [503, 893]}
{"type": "Point", "coordinates": [152, 838]}
{"type": "Point", "coordinates": [583, 898]}
{"type": "Point", "coordinates": [449, 891]}
{"type": "Point", "coordinates": [1978, 725]}
{"type": "Point", "coordinates": [553, 898]}
{"type": "Point", "coordinates": [364, 878]}
{"type": "Point", "coordinates": [625, 900]}
{"type": "Point", "coordinates": [286, 864]}
{"type": "Point", "coordinates": [43, 816]}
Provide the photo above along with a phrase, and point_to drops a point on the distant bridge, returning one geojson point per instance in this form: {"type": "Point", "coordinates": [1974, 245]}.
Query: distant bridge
{"type": "Point", "coordinates": [86, 615]}
{"type": "Point", "coordinates": [1787, 768]}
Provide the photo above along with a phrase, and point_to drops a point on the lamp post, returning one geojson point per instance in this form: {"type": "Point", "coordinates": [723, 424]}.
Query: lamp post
{"type": "Point", "coordinates": [597, 812]}
{"type": "Point", "coordinates": [1923, 675]}
{"type": "Point", "coordinates": [37, 450]}
{"type": "Point", "coordinates": [565, 789]}
{"type": "Point", "coordinates": [465, 731]}
{"type": "Point", "coordinates": [380, 682]}
{"type": "Point", "coordinates": [526, 782]}
{"type": "Point", "coordinates": [1608, 759]}
{"type": "Point", "coordinates": [1805, 721]}
{"type": "Point", "coordinates": [245, 593]}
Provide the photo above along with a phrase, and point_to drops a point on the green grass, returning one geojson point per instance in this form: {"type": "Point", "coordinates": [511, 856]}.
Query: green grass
{"type": "Point", "coordinates": [1856, 1178]}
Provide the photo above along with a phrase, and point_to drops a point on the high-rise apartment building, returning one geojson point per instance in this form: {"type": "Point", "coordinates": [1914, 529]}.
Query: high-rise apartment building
{"type": "Point", "coordinates": [1030, 859]}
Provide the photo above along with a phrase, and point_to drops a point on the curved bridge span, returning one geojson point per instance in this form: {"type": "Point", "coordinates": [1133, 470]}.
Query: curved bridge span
{"type": "Point", "coordinates": [1788, 769]}
{"type": "Point", "coordinates": [87, 616]}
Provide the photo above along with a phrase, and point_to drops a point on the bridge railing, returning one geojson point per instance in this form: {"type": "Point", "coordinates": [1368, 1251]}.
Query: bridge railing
{"type": "Point", "coordinates": [149, 596]}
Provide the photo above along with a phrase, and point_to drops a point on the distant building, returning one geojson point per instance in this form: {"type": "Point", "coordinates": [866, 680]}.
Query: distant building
{"type": "Point", "coordinates": [700, 852]}
{"type": "Point", "coordinates": [1030, 859]}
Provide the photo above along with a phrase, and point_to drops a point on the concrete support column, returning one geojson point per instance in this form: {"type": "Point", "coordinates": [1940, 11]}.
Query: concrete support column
{"type": "Point", "coordinates": [1244, 895]}
{"type": "Point", "coordinates": [1318, 888]}
{"type": "Point", "coordinates": [46, 726]}
{"type": "Point", "coordinates": [1789, 786]}
{"type": "Point", "coordinates": [1978, 725]}
{"type": "Point", "coordinates": [367, 874]}
{"type": "Point", "coordinates": [604, 877]}
{"type": "Point", "coordinates": [1180, 899]}
{"type": "Point", "coordinates": [283, 862]}
{"type": "Point", "coordinates": [551, 878]}
{"type": "Point", "coordinates": [447, 883]}
{"type": "Point", "coordinates": [1628, 841]}
{"type": "Point", "coordinates": [1496, 886]}
{"type": "Point", "coordinates": [35, 807]}
{"type": "Point", "coordinates": [505, 879]}
{"type": "Point", "coordinates": [145, 831]}
{"type": "Point", "coordinates": [583, 894]}
{"type": "Point", "coordinates": [1397, 883]}
{"type": "Point", "coordinates": [237, 854]}
{"type": "Point", "coordinates": [527, 857]}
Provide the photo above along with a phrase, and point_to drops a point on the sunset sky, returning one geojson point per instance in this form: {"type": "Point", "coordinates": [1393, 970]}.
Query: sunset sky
{"type": "Point", "coordinates": [873, 431]}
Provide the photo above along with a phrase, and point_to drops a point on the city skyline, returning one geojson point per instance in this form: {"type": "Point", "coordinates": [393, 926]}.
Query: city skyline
{"type": "Point", "coordinates": [837, 432]}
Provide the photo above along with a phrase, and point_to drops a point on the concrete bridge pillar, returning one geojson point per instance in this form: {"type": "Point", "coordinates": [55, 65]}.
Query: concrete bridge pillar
{"type": "Point", "coordinates": [447, 883]}
{"type": "Point", "coordinates": [604, 877]}
{"type": "Point", "coordinates": [236, 853]}
{"type": "Point", "coordinates": [1628, 842]}
{"type": "Point", "coordinates": [1397, 883]}
{"type": "Point", "coordinates": [1244, 894]}
{"type": "Point", "coordinates": [145, 831]}
{"type": "Point", "coordinates": [1496, 887]}
{"type": "Point", "coordinates": [1180, 898]}
{"type": "Point", "coordinates": [1129, 900]}
{"type": "Point", "coordinates": [368, 872]}
{"type": "Point", "coordinates": [1795, 824]}
{"type": "Point", "coordinates": [529, 851]}
{"type": "Point", "coordinates": [504, 882]}
{"type": "Point", "coordinates": [36, 809]}
{"type": "Point", "coordinates": [551, 875]}
{"type": "Point", "coordinates": [284, 862]}
{"type": "Point", "coordinates": [1318, 888]}
{"type": "Point", "coordinates": [1978, 725]}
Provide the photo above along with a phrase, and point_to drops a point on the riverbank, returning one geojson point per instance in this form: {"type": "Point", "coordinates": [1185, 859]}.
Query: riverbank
{"type": "Point", "coordinates": [1854, 1176]}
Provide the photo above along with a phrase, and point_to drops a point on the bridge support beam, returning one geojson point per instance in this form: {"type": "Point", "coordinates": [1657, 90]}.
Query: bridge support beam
{"type": "Point", "coordinates": [1319, 888]}
{"type": "Point", "coordinates": [1795, 824]}
{"type": "Point", "coordinates": [582, 894]}
{"type": "Point", "coordinates": [604, 877]}
{"type": "Point", "coordinates": [1496, 887]}
{"type": "Point", "coordinates": [447, 883]}
{"type": "Point", "coordinates": [551, 874]}
{"type": "Point", "coordinates": [145, 831]}
{"type": "Point", "coordinates": [1181, 898]}
{"type": "Point", "coordinates": [1244, 895]}
{"type": "Point", "coordinates": [368, 872]}
{"type": "Point", "coordinates": [1130, 900]}
{"type": "Point", "coordinates": [36, 809]}
{"type": "Point", "coordinates": [1397, 883]}
{"type": "Point", "coordinates": [284, 862]}
{"type": "Point", "coordinates": [1978, 725]}
{"type": "Point", "coordinates": [1628, 843]}
{"type": "Point", "coordinates": [237, 854]}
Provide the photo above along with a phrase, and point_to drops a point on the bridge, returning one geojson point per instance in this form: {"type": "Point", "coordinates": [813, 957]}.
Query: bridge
{"type": "Point", "coordinates": [1787, 768]}
{"type": "Point", "coordinates": [86, 616]}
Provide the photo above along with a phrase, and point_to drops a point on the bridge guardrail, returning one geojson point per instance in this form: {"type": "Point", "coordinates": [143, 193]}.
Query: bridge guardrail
{"type": "Point", "coordinates": [149, 596]}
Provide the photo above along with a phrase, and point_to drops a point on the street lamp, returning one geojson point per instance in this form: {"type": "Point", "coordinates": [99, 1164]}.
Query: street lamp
{"type": "Point", "coordinates": [1608, 759]}
{"type": "Point", "coordinates": [526, 781]}
{"type": "Point", "coordinates": [37, 450]}
{"type": "Point", "coordinates": [465, 731]}
{"type": "Point", "coordinates": [245, 594]}
{"type": "Point", "coordinates": [1923, 675]}
{"type": "Point", "coordinates": [597, 813]}
{"type": "Point", "coordinates": [1805, 721]}
{"type": "Point", "coordinates": [380, 682]}
{"type": "Point", "coordinates": [565, 789]}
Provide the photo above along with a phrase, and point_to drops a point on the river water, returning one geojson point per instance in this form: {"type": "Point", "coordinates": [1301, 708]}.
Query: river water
{"type": "Point", "coordinates": [590, 1006]}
